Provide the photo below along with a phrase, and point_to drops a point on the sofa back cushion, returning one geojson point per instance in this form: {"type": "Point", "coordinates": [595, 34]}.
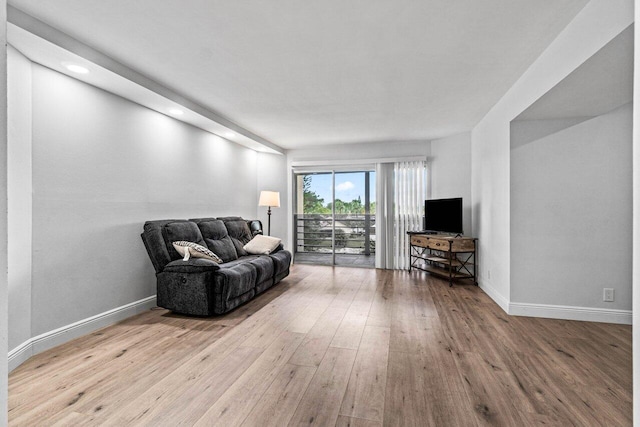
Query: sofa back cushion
{"type": "Point", "coordinates": [239, 232]}
{"type": "Point", "coordinates": [217, 239]}
{"type": "Point", "coordinates": [181, 230]}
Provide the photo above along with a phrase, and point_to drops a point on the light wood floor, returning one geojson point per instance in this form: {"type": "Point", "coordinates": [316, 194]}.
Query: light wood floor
{"type": "Point", "coordinates": [336, 346]}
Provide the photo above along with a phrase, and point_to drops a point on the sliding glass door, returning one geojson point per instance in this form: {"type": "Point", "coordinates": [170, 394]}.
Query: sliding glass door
{"type": "Point", "coordinates": [334, 218]}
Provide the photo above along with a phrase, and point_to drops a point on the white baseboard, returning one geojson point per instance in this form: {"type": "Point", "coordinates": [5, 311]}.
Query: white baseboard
{"type": "Point", "coordinates": [66, 333]}
{"type": "Point", "coordinates": [566, 312]}
{"type": "Point", "coordinates": [502, 302]}
{"type": "Point", "coordinates": [20, 354]}
{"type": "Point", "coordinates": [587, 314]}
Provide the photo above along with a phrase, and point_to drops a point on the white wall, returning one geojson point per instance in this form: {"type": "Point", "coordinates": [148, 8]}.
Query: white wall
{"type": "Point", "coordinates": [450, 172]}
{"type": "Point", "coordinates": [636, 222]}
{"type": "Point", "coordinates": [597, 24]}
{"type": "Point", "coordinates": [571, 212]}
{"type": "Point", "coordinates": [101, 166]}
{"type": "Point", "coordinates": [19, 197]}
{"type": "Point", "coordinates": [272, 176]}
{"type": "Point", "coordinates": [4, 294]}
{"type": "Point", "coordinates": [360, 151]}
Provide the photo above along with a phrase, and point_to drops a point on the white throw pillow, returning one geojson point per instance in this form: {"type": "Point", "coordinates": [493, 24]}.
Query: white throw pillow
{"type": "Point", "coordinates": [262, 245]}
{"type": "Point", "coordinates": [190, 249]}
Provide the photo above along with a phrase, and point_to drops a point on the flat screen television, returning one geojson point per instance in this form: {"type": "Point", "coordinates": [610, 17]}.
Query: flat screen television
{"type": "Point", "coordinates": [443, 215]}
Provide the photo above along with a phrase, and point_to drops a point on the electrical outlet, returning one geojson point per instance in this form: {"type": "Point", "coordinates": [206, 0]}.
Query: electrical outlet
{"type": "Point", "coordinates": [608, 294]}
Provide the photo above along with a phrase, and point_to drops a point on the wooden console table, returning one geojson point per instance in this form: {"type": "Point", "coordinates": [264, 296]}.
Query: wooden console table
{"type": "Point", "coordinates": [453, 258]}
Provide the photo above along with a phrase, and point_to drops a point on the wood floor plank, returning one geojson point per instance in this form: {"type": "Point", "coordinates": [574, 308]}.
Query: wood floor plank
{"type": "Point", "coordinates": [130, 382]}
{"type": "Point", "coordinates": [78, 388]}
{"type": "Point", "coordinates": [350, 331]}
{"type": "Point", "coordinates": [49, 364]}
{"type": "Point", "coordinates": [382, 305]}
{"type": "Point", "coordinates": [315, 344]}
{"type": "Point", "coordinates": [404, 405]}
{"type": "Point", "coordinates": [492, 403]}
{"type": "Point", "coordinates": [239, 399]}
{"type": "Point", "coordinates": [447, 397]}
{"type": "Point", "coordinates": [187, 399]}
{"type": "Point", "coordinates": [321, 402]}
{"type": "Point", "coordinates": [422, 301]}
{"type": "Point", "coordinates": [268, 331]}
{"type": "Point", "coordinates": [365, 393]}
{"type": "Point", "coordinates": [279, 402]}
{"type": "Point", "coordinates": [356, 422]}
{"type": "Point", "coordinates": [336, 346]}
{"type": "Point", "coordinates": [568, 398]}
{"type": "Point", "coordinates": [361, 304]}
{"type": "Point", "coordinates": [305, 320]}
{"type": "Point", "coordinates": [413, 334]}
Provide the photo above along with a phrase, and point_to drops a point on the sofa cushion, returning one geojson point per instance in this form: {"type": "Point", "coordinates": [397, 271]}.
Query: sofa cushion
{"type": "Point", "coordinates": [231, 303]}
{"type": "Point", "coordinates": [212, 229]}
{"type": "Point", "coordinates": [230, 218]}
{"type": "Point", "coordinates": [262, 245]}
{"type": "Point", "coordinates": [240, 234]}
{"type": "Point", "coordinates": [262, 263]}
{"type": "Point", "coordinates": [181, 230]}
{"type": "Point", "coordinates": [281, 261]}
{"type": "Point", "coordinates": [224, 248]}
{"type": "Point", "coordinates": [264, 268]}
{"type": "Point", "coordinates": [190, 249]}
{"type": "Point", "coordinates": [234, 280]}
{"type": "Point", "coordinates": [217, 239]}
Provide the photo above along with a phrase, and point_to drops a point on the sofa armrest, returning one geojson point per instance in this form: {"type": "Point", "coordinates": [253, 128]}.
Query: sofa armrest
{"type": "Point", "coordinates": [279, 248]}
{"type": "Point", "coordinates": [255, 226]}
{"type": "Point", "coordinates": [193, 265]}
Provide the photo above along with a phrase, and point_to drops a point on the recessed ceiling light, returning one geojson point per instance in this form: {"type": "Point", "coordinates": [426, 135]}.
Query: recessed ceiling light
{"type": "Point", "coordinates": [176, 112]}
{"type": "Point", "coordinates": [229, 134]}
{"type": "Point", "coordinates": [76, 68]}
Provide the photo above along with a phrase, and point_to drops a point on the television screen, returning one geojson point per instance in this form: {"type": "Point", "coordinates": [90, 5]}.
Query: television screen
{"type": "Point", "coordinates": [443, 215]}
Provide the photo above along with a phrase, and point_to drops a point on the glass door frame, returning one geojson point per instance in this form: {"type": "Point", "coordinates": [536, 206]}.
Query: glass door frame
{"type": "Point", "coordinates": [296, 172]}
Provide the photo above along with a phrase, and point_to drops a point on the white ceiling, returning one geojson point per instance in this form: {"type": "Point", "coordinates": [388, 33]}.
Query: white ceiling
{"type": "Point", "coordinates": [303, 73]}
{"type": "Point", "coordinates": [601, 84]}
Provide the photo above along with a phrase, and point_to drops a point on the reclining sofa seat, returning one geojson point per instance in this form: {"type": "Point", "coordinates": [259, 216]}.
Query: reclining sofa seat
{"type": "Point", "coordinates": [200, 286]}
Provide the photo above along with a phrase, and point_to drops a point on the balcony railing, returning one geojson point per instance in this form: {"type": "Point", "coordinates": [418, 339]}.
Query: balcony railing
{"type": "Point", "coordinates": [354, 233]}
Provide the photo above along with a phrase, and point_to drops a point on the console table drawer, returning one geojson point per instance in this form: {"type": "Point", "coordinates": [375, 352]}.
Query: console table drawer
{"type": "Point", "coordinates": [439, 244]}
{"type": "Point", "coordinates": [421, 241]}
{"type": "Point", "coordinates": [463, 245]}
{"type": "Point", "coordinates": [442, 243]}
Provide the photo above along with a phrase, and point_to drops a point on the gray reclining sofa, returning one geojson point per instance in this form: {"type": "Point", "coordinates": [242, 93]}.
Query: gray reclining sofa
{"type": "Point", "coordinates": [199, 286]}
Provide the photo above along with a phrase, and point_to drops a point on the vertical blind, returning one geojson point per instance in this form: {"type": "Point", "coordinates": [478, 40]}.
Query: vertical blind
{"type": "Point", "coordinates": [410, 191]}
{"type": "Point", "coordinates": [401, 192]}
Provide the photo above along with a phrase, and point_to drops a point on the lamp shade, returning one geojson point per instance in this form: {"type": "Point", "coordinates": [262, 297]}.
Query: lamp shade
{"type": "Point", "coordinates": [269, 198]}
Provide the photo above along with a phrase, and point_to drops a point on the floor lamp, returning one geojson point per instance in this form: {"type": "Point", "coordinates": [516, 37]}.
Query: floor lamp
{"type": "Point", "coordinates": [270, 199]}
